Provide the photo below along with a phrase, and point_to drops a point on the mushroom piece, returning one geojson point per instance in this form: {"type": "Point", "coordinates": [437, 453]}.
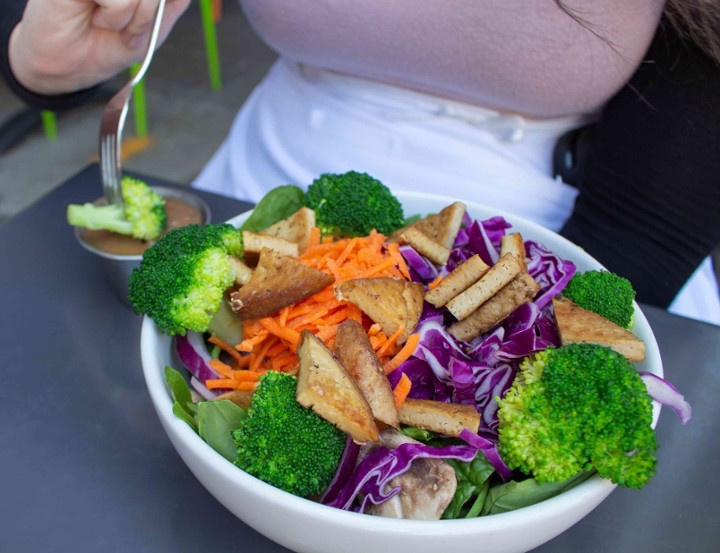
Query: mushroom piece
{"type": "Point", "coordinates": [427, 487]}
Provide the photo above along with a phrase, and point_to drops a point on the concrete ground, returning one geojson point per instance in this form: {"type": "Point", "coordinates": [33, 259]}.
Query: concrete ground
{"type": "Point", "coordinates": [187, 120]}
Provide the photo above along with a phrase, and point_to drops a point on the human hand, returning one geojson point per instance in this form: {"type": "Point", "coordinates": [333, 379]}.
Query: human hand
{"type": "Point", "coordinates": [66, 45]}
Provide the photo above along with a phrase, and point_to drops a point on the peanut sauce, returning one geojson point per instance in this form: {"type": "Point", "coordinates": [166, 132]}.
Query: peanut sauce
{"type": "Point", "coordinates": [179, 214]}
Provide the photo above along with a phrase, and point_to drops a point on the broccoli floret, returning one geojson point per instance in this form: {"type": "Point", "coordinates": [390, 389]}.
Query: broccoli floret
{"type": "Point", "coordinates": [604, 293]}
{"type": "Point", "coordinates": [578, 407]}
{"type": "Point", "coordinates": [143, 215]}
{"type": "Point", "coordinates": [353, 204]}
{"type": "Point", "coordinates": [285, 444]}
{"type": "Point", "coordinates": [182, 277]}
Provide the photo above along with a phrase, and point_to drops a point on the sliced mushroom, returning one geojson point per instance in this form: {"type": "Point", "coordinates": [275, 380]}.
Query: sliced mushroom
{"type": "Point", "coordinates": [427, 487]}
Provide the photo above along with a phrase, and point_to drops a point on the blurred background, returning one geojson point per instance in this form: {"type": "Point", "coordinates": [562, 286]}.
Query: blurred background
{"type": "Point", "coordinates": [187, 113]}
{"type": "Point", "coordinates": [187, 117]}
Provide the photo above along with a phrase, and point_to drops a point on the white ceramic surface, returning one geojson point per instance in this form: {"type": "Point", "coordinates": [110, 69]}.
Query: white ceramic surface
{"type": "Point", "coordinates": [308, 527]}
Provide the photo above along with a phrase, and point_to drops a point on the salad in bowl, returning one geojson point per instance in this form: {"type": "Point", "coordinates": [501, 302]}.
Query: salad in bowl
{"type": "Point", "coordinates": [348, 368]}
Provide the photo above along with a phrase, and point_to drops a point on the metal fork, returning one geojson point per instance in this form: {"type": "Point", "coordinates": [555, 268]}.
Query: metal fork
{"type": "Point", "coordinates": [113, 120]}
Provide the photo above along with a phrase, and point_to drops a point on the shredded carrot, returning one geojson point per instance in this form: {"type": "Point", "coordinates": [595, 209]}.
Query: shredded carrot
{"type": "Point", "coordinates": [435, 282]}
{"type": "Point", "coordinates": [223, 345]}
{"type": "Point", "coordinates": [401, 390]}
{"type": "Point", "coordinates": [377, 340]}
{"type": "Point", "coordinates": [379, 268]}
{"type": "Point", "coordinates": [314, 238]}
{"type": "Point", "coordinates": [249, 343]}
{"type": "Point", "coordinates": [394, 250]}
{"type": "Point", "coordinates": [374, 329]}
{"type": "Point", "coordinates": [283, 332]}
{"type": "Point", "coordinates": [229, 377]}
{"type": "Point", "coordinates": [269, 343]}
{"type": "Point", "coordinates": [221, 368]}
{"type": "Point", "coordinates": [230, 384]}
{"type": "Point", "coordinates": [391, 341]}
{"type": "Point", "coordinates": [403, 355]}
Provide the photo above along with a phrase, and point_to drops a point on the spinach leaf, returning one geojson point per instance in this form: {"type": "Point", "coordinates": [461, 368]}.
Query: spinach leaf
{"type": "Point", "coordinates": [213, 420]}
{"type": "Point", "coordinates": [419, 434]}
{"type": "Point", "coordinates": [472, 487]}
{"type": "Point", "coordinates": [216, 421]}
{"type": "Point", "coordinates": [183, 408]}
{"type": "Point", "coordinates": [514, 495]}
{"type": "Point", "coordinates": [276, 205]}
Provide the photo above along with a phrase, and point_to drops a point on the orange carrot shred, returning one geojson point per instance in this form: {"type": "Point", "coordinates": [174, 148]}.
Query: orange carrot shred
{"type": "Point", "coordinates": [378, 268]}
{"type": "Point", "coordinates": [225, 347]}
{"type": "Point", "coordinates": [249, 343]}
{"type": "Point", "coordinates": [394, 250]}
{"type": "Point", "coordinates": [269, 343]}
{"type": "Point", "coordinates": [229, 383]}
{"type": "Point", "coordinates": [314, 239]}
{"type": "Point", "coordinates": [403, 355]}
{"type": "Point", "coordinates": [391, 341]}
{"type": "Point", "coordinates": [246, 376]}
{"type": "Point", "coordinates": [401, 390]}
{"type": "Point", "coordinates": [287, 334]}
{"type": "Point", "coordinates": [221, 368]}
{"type": "Point", "coordinates": [435, 282]}
{"type": "Point", "coordinates": [374, 329]}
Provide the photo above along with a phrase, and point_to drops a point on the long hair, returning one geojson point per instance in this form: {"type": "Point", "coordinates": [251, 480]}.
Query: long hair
{"type": "Point", "coordinates": [698, 21]}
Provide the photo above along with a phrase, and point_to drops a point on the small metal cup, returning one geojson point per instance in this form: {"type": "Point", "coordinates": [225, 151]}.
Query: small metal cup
{"type": "Point", "coordinates": [118, 268]}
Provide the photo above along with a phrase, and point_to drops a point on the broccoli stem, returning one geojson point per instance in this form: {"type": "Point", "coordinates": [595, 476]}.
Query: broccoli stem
{"type": "Point", "coordinates": [104, 217]}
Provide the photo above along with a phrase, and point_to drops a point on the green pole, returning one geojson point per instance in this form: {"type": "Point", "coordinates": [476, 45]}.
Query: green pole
{"type": "Point", "coordinates": [211, 46]}
{"type": "Point", "coordinates": [139, 104]}
{"type": "Point", "coordinates": [49, 122]}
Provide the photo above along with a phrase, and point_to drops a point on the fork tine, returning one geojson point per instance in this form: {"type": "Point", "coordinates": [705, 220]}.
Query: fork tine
{"type": "Point", "coordinates": [113, 120]}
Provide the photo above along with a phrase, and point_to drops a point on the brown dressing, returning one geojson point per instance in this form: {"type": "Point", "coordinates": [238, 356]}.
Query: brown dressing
{"type": "Point", "coordinates": [179, 214]}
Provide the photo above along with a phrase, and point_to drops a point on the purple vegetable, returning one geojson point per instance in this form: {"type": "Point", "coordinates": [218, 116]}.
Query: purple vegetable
{"type": "Point", "coordinates": [490, 451]}
{"type": "Point", "coordinates": [194, 356]}
{"type": "Point", "coordinates": [202, 389]}
{"type": "Point", "coordinates": [345, 469]}
{"type": "Point", "coordinates": [550, 272]}
{"type": "Point", "coordinates": [666, 394]}
{"type": "Point", "coordinates": [371, 478]}
{"type": "Point", "coordinates": [421, 269]}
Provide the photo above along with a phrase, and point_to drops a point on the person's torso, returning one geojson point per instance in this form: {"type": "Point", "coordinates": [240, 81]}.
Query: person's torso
{"type": "Point", "coordinates": [524, 56]}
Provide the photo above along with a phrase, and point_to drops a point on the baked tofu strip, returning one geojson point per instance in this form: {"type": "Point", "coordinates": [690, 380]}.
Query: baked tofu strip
{"type": "Point", "coordinates": [521, 290]}
{"type": "Point", "coordinates": [465, 275]}
{"type": "Point", "coordinates": [499, 275]}
{"type": "Point", "coordinates": [434, 251]}
{"type": "Point", "coordinates": [355, 352]}
{"type": "Point", "coordinates": [437, 416]}
{"type": "Point", "coordinates": [254, 243]}
{"type": "Point", "coordinates": [513, 243]}
{"type": "Point", "coordinates": [578, 325]}
{"type": "Point", "coordinates": [326, 387]}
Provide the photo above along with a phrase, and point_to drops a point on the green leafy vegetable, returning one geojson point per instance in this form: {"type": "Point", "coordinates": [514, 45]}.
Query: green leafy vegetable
{"type": "Point", "coordinates": [473, 482]}
{"type": "Point", "coordinates": [214, 420]}
{"type": "Point", "coordinates": [515, 495]}
{"type": "Point", "coordinates": [276, 205]}
{"type": "Point", "coordinates": [183, 406]}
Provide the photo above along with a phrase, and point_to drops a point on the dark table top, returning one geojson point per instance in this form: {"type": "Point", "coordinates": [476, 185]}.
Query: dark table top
{"type": "Point", "coordinates": [86, 466]}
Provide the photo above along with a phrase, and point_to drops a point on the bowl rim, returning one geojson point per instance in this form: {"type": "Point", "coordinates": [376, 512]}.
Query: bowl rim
{"type": "Point", "coordinates": [594, 487]}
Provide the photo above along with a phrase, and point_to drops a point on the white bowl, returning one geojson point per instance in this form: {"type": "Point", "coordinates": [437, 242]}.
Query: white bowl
{"type": "Point", "coordinates": [310, 527]}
